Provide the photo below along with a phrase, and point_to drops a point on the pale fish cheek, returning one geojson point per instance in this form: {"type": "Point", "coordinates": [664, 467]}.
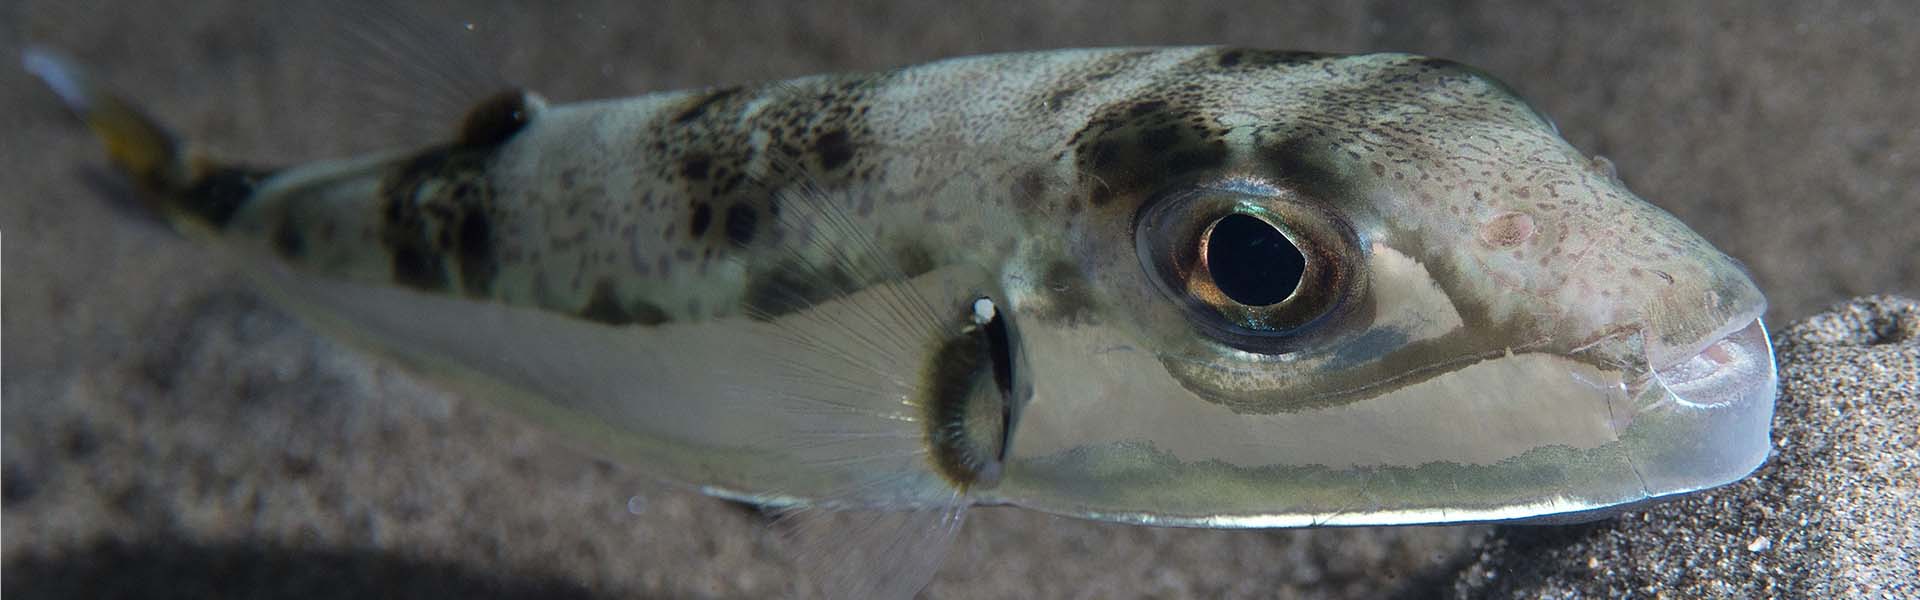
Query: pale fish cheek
{"type": "Point", "coordinates": [1481, 414]}
{"type": "Point", "coordinates": [1407, 299]}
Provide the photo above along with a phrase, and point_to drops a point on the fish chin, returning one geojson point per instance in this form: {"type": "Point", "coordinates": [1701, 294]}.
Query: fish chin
{"type": "Point", "coordinates": [1736, 369]}
{"type": "Point", "coordinates": [1705, 417]}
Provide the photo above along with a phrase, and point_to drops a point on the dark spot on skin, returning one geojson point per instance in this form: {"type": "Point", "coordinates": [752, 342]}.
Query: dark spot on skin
{"type": "Point", "coordinates": [702, 217]}
{"type": "Point", "coordinates": [1058, 99]}
{"type": "Point", "coordinates": [1104, 154]}
{"type": "Point", "coordinates": [604, 306]}
{"type": "Point", "coordinates": [474, 251]}
{"type": "Point", "coordinates": [1030, 186]}
{"type": "Point", "coordinates": [403, 226]}
{"type": "Point", "coordinates": [1134, 149]}
{"type": "Point", "coordinates": [1146, 108]}
{"type": "Point", "coordinates": [288, 241]}
{"type": "Point", "coordinates": [1195, 159]}
{"type": "Point", "coordinates": [741, 221]}
{"type": "Point", "coordinates": [1258, 58]}
{"type": "Point", "coordinates": [495, 119]}
{"type": "Point", "coordinates": [791, 286]}
{"type": "Point", "coordinates": [418, 268]}
{"type": "Point", "coordinates": [1160, 139]}
{"type": "Point", "coordinates": [695, 167]}
{"type": "Point", "coordinates": [834, 148]}
{"type": "Point", "coordinates": [420, 232]}
{"type": "Point", "coordinates": [913, 258]}
{"type": "Point", "coordinates": [700, 107]}
{"type": "Point", "coordinates": [1307, 164]}
{"type": "Point", "coordinates": [1069, 297]}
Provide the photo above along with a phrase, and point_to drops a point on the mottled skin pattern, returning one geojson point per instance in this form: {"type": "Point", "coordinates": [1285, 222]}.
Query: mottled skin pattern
{"type": "Point", "coordinates": [1456, 231]}
{"type": "Point", "coordinates": [614, 215]}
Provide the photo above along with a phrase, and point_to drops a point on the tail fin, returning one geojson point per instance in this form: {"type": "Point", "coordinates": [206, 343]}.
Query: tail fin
{"type": "Point", "coordinates": [174, 183]}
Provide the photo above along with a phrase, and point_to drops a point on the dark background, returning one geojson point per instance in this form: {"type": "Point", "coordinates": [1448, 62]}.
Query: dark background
{"type": "Point", "coordinates": [168, 433]}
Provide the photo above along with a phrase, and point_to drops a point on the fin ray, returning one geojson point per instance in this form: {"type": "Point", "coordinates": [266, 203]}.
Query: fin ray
{"type": "Point", "coordinates": [868, 553]}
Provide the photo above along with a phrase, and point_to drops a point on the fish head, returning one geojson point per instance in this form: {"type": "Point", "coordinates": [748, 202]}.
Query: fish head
{"type": "Point", "coordinates": [1371, 290]}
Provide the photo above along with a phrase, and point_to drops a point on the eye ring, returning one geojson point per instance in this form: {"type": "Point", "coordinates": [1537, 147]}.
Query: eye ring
{"type": "Point", "coordinates": [1236, 299]}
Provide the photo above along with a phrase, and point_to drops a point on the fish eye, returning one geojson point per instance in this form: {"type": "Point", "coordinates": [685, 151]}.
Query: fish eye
{"type": "Point", "coordinates": [1251, 261]}
{"type": "Point", "coordinates": [1254, 267]}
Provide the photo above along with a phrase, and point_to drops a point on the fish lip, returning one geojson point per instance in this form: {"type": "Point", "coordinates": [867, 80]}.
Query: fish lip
{"type": "Point", "coordinates": [1732, 368]}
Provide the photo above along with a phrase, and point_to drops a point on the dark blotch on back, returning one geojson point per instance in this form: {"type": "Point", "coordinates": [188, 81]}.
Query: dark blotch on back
{"type": "Point", "coordinates": [1253, 58]}
{"type": "Point", "coordinates": [742, 220]}
{"type": "Point", "coordinates": [702, 218]}
{"type": "Point", "coordinates": [1134, 148]}
{"type": "Point", "coordinates": [696, 167]}
{"type": "Point", "coordinates": [834, 148]}
{"type": "Point", "coordinates": [707, 153]}
{"type": "Point", "coordinates": [456, 221]}
{"type": "Point", "coordinates": [423, 232]}
{"type": "Point", "coordinates": [1307, 164]}
{"type": "Point", "coordinates": [474, 251]}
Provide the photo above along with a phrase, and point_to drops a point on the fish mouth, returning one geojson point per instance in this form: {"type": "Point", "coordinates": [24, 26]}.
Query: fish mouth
{"type": "Point", "coordinates": [1730, 370]}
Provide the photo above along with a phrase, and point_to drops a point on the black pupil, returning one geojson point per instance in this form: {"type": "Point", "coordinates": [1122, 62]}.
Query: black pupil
{"type": "Point", "coordinates": [1251, 262]}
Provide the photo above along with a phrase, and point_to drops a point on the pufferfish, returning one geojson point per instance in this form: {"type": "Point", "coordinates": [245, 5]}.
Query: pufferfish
{"type": "Point", "coordinates": [1195, 287]}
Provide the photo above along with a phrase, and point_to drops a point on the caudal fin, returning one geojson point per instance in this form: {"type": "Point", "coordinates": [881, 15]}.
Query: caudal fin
{"type": "Point", "coordinates": [172, 182]}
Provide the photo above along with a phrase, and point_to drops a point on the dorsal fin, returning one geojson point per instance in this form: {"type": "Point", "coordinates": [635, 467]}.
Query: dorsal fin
{"type": "Point", "coordinates": [420, 72]}
{"type": "Point", "coordinates": [498, 117]}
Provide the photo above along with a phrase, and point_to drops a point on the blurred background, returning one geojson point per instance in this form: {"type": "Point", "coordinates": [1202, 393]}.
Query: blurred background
{"type": "Point", "coordinates": [166, 432]}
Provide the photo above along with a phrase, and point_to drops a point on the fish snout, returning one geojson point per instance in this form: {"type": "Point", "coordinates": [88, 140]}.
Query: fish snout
{"type": "Point", "coordinates": [1707, 343]}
